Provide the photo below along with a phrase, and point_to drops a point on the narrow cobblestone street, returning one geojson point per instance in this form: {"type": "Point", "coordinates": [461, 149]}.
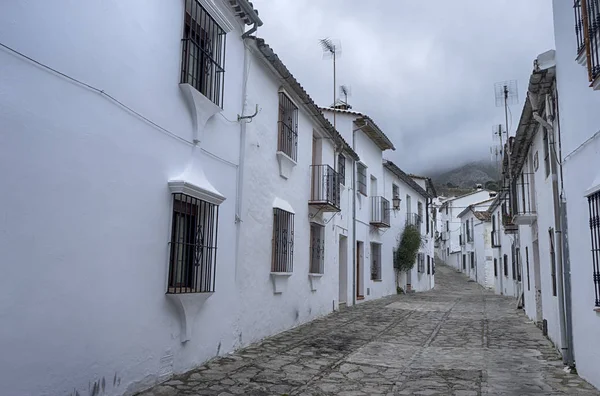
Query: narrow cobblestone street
{"type": "Point", "coordinates": [455, 340]}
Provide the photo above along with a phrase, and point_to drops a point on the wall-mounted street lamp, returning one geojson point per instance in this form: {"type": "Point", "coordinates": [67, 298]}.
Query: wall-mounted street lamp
{"type": "Point", "coordinates": [395, 203]}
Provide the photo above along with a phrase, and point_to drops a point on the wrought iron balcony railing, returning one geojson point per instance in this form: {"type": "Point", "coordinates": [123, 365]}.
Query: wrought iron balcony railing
{"type": "Point", "coordinates": [413, 219]}
{"type": "Point", "coordinates": [380, 212]}
{"type": "Point", "coordinates": [325, 188]}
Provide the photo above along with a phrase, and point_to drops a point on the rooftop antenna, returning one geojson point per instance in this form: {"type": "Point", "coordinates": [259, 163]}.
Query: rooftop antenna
{"type": "Point", "coordinates": [345, 91]}
{"type": "Point", "coordinates": [332, 49]}
{"type": "Point", "coordinates": [498, 132]}
{"type": "Point", "coordinates": [506, 95]}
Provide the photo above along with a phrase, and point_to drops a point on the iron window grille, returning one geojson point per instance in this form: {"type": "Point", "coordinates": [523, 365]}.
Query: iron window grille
{"type": "Point", "coordinates": [594, 208]}
{"type": "Point", "coordinates": [361, 179]}
{"type": "Point", "coordinates": [428, 265]}
{"type": "Point", "coordinates": [193, 246]}
{"type": "Point", "coordinates": [514, 262]}
{"type": "Point", "coordinates": [495, 267]}
{"type": "Point", "coordinates": [413, 219]}
{"type": "Point", "coordinates": [288, 127]}
{"type": "Point", "coordinates": [587, 32]}
{"type": "Point", "coordinates": [505, 259]}
{"type": "Point", "coordinates": [380, 212]}
{"type": "Point", "coordinates": [375, 261]}
{"type": "Point", "coordinates": [325, 188]}
{"type": "Point", "coordinates": [203, 53]}
{"type": "Point", "coordinates": [421, 263]}
{"type": "Point", "coordinates": [518, 260]}
{"type": "Point", "coordinates": [464, 261]}
{"type": "Point", "coordinates": [526, 205]}
{"type": "Point", "coordinates": [317, 248]}
{"type": "Point", "coordinates": [283, 241]}
{"type": "Point", "coordinates": [552, 261]}
{"type": "Point", "coordinates": [342, 169]}
{"type": "Point", "coordinates": [472, 260]}
{"type": "Point", "coordinates": [447, 225]}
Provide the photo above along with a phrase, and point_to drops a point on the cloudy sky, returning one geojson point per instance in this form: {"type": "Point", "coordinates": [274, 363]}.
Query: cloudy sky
{"type": "Point", "coordinates": [423, 70]}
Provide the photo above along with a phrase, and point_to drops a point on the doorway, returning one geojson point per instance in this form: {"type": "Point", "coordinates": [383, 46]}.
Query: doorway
{"type": "Point", "coordinates": [343, 270]}
{"type": "Point", "coordinates": [359, 271]}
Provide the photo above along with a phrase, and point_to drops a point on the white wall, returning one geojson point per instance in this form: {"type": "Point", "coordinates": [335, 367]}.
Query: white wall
{"type": "Point", "coordinates": [86, 208]}
{"type": "Point", "coordinates": [579, 121]}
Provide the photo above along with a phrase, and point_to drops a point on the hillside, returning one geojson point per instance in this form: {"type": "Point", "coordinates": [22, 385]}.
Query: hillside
{"type": "Point", "coordinates": [464, 178]}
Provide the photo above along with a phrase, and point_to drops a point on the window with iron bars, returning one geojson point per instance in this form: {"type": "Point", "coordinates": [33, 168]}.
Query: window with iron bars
{"type": "Point", "coordinates": [594, 208]}
{"type": "Point", "coordinates": [421, 263]}
{"type": "Point", "coordinates": [464, 261]}
{"type": "Point", "coordinates": [342, 169]}
{"type": "Point", "coordinates": [552, 260]}
{"type": "Point", "coordinates": [288, 127]}
{"type": "Point", "coordinates": [203, 53]}
{"type": "Point", "coordinates": [193, 246]}
{"type": "Point", "coordinates": [496, 267]}
{"type": "Point", "coordinates": [375, 261]}
{"type": "Point", "coordinates": [472, 260]}
{"type": "Point", "coordinates": [428, 265]}
{"type": "Point", "coordinates": [361, 171]}
{"type": "Point", "coordinates": [505, 259]}
{"type": "Point", "coordinates": [283, 241]}
{"type": "Point", "coordinates": [317, 248]}
{"type": "Point", "coordinates": [587, 31]}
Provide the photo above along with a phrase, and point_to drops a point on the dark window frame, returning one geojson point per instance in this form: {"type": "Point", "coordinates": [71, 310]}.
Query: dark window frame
{"type": "Point", "coordinates": [361, 178]}
{"type": "Point", "coordinates": [587, 15]}
{"type": "Point", "coordinates": [193, 245]}
{"type": "Point", "coordinates": [342, 169]}
{"type": "Point", "coordinates": [317, 248]}
{"type": "Point", "coordinates": [282, 255]}
{"type": "Point", "coordinates": [505, 259]}
{"type": "Point", "coordinates": [375, 261]}
{"type": "Point", "coordinates": [495, 267]}
{"type": "Point", "coordinates": [472, 260]}
{"type": "Point", "coordinates": [203, 52]}
{"type": "Point", "coordinates": [594, 224]}
{"type": "Point", "coordinates": [287, 126]}
{"type": "Point", "coordinates": [428, 265]}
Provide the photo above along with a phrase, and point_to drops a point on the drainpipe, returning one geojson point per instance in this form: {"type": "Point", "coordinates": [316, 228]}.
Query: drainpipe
{"type": "Point", "coordinates": [558, 209]}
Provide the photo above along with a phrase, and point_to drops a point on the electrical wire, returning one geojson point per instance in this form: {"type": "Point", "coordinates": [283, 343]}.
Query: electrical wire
{"type": "Point", "coordinates": [99, 91]}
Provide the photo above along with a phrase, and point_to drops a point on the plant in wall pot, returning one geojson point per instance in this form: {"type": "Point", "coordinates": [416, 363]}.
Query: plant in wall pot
{"type": "Point", "coordinates": [405, 255]}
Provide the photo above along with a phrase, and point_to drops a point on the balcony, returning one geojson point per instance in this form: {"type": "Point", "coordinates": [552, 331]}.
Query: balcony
{"type": "Point", "coordinates": [509, 226]}
{"type": "Point", "coordinates": [325, 188]}
{"type": "Point", "coordinates": [413, 219]}
{"type": "Point", "coordinates": [380, 212]}
{"type": "Point", "coordinates": [525, 212]}
{"type": "Point", "coordinates": [495, 239]}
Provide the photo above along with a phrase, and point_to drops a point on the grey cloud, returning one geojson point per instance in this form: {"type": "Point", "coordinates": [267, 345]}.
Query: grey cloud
{"type": "Point", "coordinates": [425, 71]}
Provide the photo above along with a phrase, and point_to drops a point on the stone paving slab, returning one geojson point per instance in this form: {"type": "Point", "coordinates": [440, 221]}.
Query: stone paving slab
{"type": "Point", "coordinates": [458, 340]}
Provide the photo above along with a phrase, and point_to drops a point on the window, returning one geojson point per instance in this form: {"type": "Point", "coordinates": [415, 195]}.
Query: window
{"type": "Point", "coordinates": [361, 171]}
{"type": "Point", "coordinates": [546, 153]}
{"type": "Point", "coordinates": [428, 265]}
{"type": "Point", "coordinates": [288, 127]}
{"type": "Point", "coordinates": [587, 14]}
{"type": "Point", "coordinates": [446, 209]}
{"type": "Point", "coordinates": [203, 53]}
{"type": "Point", "coordinates": [472, 260]}
{"type": "Point", "coordinates": [518, 263]}
{"type": "Point", "coordinates": [527, 262]}
{"type": "Point", "coordinates": [375, 261]}
{"type": "Point", "coordinates": [496, 268]}
{"type": "Point", "coordinates": [447, 252]}
{"type": "Point", "coordinates": [447, 225]}
{"type": "Point", "coordinates": [464, 261]}
{"type": "Point", "coordinates": [283, 241]}
{"type": "Point", "coordinates": [536, 162]}
{"type": "Point", "coordinates": [419, 214]}
{"type": "Point", "coordinates": [505, 265]}
{"type": "Point", "coordinates": [421, 263]}
{"type": "Point", "coordinates": [342, 169]}
{"type": "Point", "coordinates": [513, 261]}
{"type": "Point", "coordinates": [317, 248]}
{"type": "Point", "coordinates": [594, 207]}
{"type": "Point", "coordinates": [552, 260]}
{"type": "Point", "coordinates": [193, 247]}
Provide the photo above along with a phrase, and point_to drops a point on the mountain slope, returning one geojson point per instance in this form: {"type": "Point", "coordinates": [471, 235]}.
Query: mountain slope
{"type": "Point", "coordinates": [465, 178]}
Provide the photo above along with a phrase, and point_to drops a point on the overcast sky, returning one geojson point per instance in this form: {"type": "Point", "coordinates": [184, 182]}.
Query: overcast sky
{"type": "Point", "coordinates": [423, 70]}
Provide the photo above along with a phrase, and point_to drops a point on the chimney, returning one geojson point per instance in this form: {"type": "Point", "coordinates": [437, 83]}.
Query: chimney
{"type": "Point", "coordinates": [492, 194]}
{"type": "Point", "coordinates": [479, 187]}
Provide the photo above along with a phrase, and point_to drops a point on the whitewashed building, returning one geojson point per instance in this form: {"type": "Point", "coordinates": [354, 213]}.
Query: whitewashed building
{"type": "Point", "coordinates": [411, 191]}
{"type": "Point", "coordinates": [450, 246]}
{"type": "Point", "coordinates": [475, 240]}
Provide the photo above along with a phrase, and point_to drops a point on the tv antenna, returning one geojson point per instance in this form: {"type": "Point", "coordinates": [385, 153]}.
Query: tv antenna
{"type": "Point", "coordinates": [331, 50]}
{"type": "Point", "coordinates": [345, 91]}
{"type": "Point", "coordinates": [507, 94]}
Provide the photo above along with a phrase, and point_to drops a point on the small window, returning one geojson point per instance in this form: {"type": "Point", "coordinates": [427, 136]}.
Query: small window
{"type": "Point", "coordinates": [361, 171]}
{"type": "Point", "coordinates": [464, 261]}
{"type": "Point", "coordinates": [342, 169]}
{"type": "Point", "coordinates": [193, 247]}
{"type": "Point", "coordinates": [447, 225]}
{"type": "Point", "coordinates": [505, 259]}
{"type": "Point", "coordinates": [288, 127]}
{"type": "Point", "coordinates": [428, 265]}
{"type": "Point", "coordinates": [317, 248]}
{"type": "Point", "coordinates": [518, 263]}
{"type": "Point", "coordinates": [421, 263]}
{"type": "Point", "coordinates": [446, 209]}
{"type": "Point", "coordinates": [472, 260]}
{"type": "Point", "coordinates": [514, 262]}
{"type": "Point", "coordinates": [375, 261]}
{"type": "Point", "coordinates": [203, 53]}
{"type": "Point", "coordinates": [496, 267]}
{"type": "Point", "coordinates": [552, 260]}
{"type": "Point", "coordinates": [594, 208]}
{"type": "Point", "coordinates": [283, 241]}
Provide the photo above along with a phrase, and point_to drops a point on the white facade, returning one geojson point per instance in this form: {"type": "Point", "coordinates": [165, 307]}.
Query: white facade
{"type": "Point", "coordinates": [578, 134]}
{"type": "Point", "coordinates": [476, 249]}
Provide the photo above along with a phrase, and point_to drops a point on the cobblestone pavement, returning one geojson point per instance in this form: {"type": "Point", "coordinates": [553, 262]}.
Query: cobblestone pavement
{"type": "Point", "coordinates": [455, 340]}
